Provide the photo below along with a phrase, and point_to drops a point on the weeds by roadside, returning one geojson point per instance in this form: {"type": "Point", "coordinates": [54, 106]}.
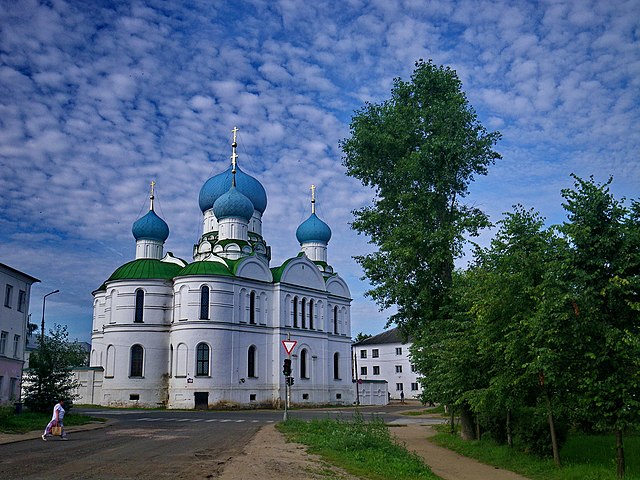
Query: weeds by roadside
{"type": "Point", "coordinates": [364, 449]}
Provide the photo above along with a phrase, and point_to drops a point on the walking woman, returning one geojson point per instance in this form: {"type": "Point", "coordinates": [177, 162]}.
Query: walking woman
{"type": "Point", "coordinates": [56, 421]}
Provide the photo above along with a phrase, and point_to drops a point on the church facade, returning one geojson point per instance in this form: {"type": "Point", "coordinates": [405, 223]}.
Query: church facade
{"type": "Point", "coordinates": [209, 332]}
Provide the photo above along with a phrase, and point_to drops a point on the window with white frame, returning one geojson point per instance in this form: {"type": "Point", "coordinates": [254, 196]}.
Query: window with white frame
{"type": "Point", "coordinates": [22, 300]}
{"type": "Point", "coordinates": [3, 342]}
{"type": "Point", "coordinates": [375, 353]}
{"type": "Point", "coordinates": [398, 350]}
{"type": "Point", "coordinates": [398, 368]}
{"type": "Point", "coordinates": [16, 345]}
{"type": "Point", "coordinates": [376, 369]}
{"type": "Point", "coordinates": [363, 370]}
{"type": "Point", "coordinates": [414, 386]}
{"type": "Point", "coordinates": [399, 387]}
{"type": "Point", "coordinates": [8, 293]}
{"type": "Point", "coordinates": [363, 354]}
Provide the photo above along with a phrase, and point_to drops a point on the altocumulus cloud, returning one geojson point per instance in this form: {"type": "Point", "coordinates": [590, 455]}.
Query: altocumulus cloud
{"type": "Point", "coordinates": [99, 98]}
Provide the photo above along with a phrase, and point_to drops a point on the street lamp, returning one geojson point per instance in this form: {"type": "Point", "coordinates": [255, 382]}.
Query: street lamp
{"type": "Point", "coordinates": [44, 299]}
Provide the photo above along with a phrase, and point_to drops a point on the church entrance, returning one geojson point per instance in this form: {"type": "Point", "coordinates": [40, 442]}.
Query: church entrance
{"type": "Point", "coordinates": [201, 400]}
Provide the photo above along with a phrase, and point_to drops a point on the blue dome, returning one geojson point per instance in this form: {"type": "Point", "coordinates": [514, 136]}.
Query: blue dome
{"type": "Point", "coordinates": [150, 227]}
{"type": "Point", "coordinates": [233, 204]}
{"type": "Point", "coordinates": [220, 184]}
{"type": "Point", "coordinates": [313, 230]}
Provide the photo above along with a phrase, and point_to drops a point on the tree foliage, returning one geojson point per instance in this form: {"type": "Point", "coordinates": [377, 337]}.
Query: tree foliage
{"type": "Point", "coordinates": [49, 377]}
{"type": "Point", "coordinates": [419, 151]}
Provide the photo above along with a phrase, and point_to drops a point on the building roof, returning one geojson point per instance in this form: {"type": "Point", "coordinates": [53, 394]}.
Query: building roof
{"type": "Point", "coordinates": [390, 336]}
{"type": "Point", "coordinates": [18, 272]}
{"type": "Point", "coordinates": [146, 268]}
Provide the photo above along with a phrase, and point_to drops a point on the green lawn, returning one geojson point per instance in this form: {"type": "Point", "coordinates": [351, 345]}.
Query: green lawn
{"type": "Point", "coordinates": [584, 457]}
{"type": "Point", "coordinates": [28, 421]}
{"type": "Point", "coordinates": [364, 449]}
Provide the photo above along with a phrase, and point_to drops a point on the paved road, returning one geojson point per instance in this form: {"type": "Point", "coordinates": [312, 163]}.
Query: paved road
{"type": "Point", "coordinates": [145, 444]}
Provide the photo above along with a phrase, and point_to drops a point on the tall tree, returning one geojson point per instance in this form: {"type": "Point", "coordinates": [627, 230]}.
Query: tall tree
{"type": "Point", "coordinates": [605, 272]}
{"type": "Point", "coordinates": [419, 151]}
{"type": "Point", "coordinates": [49, 378]}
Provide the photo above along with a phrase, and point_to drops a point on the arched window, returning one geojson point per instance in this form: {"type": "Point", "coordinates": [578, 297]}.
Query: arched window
{"type": "Point", "coordinates": [137, 361]}
{"type": "Point", "coordinates": [336, 366]}
{"type": "Point", "coordinates": [251, 362]}
{"type": "Point", "coordinates": [204, 303]}
{"type": "Point", "coordinates": [202, 359]}
{"type": "Point", "coordinates": [335, 320]}
{"type": "Point", "coordinates": [295, 312]}
{"type": "Point", "coordinates": [303, 364]}
{"type": "Point", "coordinates": [111, 361]}
{"type": "Point", "coordinates": [252, 308]}
{"type": "Point", "coordinates": [139, 306]}
{"type": "Point", "coordinates": [303, 310]}
{"type": "Point", "coordinates": [311, 314]}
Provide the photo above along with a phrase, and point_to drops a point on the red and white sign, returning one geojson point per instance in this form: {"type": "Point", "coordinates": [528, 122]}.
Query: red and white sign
{"type": "Point", "coordinates": [288, 345]}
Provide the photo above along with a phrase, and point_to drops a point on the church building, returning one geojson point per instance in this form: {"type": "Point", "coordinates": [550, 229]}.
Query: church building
{"type": "Point", "coordinates": [207, 333]}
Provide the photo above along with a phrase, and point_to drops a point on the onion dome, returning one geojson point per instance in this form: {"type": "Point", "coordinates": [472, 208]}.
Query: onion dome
{"type": "Point", "coordinates": [233, 204]}
{"type": "Point", "coordinates": [150, 227]}
{"type": "Point", "coordinates": [313, 230]}
{"type": "Point", "coordinates": [219, 184]}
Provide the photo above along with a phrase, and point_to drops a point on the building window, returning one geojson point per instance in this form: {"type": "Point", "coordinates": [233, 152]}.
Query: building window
{"type": "Point", "coordinates": [3, 342]}
{"type": "Point", "coordinates": [336, 366]}
{"type": "Point", "coordinates": [202, 360]}
{"type": "Point", "coordinates": [251, 362]}
{"type": "Point", "coordinates": [335, 320]}
{"type": "Point", "coordinates": [303, 311]}
{"type": "Point", "coordinates": [139, 306]}
{"type": "Point", "coordinates": [398, 368]}
{"type": "Point", "coordinates": [398, 350]}
{"type": "Point", "coordinates": [22, 300]}
{"type": "Point", "coordinates": [13, 388]}
{"type": "Point", "coordinates": [414, 369]}
{"type": "Point", "coordinates": [16, 345]}
{"type": "Point", "coordinates": [363, 354]}
{"type": "Point", "coordinates": [252, 308]}
{"type": "Point", "coordinates": [375, 353]}
{"type": "Point", "coordinates": [8, 293]}
{"type": "Point", "coordinates": [204, 303]}
{"type": "Point", "coordinates": [304, 373]}
{"type": "Point", "coordinates": [137, 360]}
{"type": "Point", "coordinates": [295, 312]}
{"type": "Point", "coordinates": [414, 386]}
{"type": "Point", "coordinates": [363, 371]}
{"type": "Point", "coordinates": [376, 369]}
{"type": "Point", "coordinates": [311, 314]}
{"type": "Point", "coordinates": [399, 387]}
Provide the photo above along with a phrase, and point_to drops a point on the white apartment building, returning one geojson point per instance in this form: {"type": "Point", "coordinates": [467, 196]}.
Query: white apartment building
{"type": "Point", "coordinates": [386, 357]}
{"type": "Point", "coordinates": [14, 314]}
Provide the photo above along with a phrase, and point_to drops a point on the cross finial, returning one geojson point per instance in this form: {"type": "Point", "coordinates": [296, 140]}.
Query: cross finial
{"type": "Point", "coordinates": [234, 155]}
{"type": "Point", "coordinates": [151, 195]}
{"type": "Point", "coordinates": [313, 199]}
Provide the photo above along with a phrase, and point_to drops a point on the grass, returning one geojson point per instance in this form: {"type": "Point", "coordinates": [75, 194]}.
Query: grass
{"type": "Point", "coordinates": [584, 457]}
{"type": "Point", "coordinates": [364, 449]}
{"type": "Point", "coordinates": [29, 421]}
{"type": "Point", "coordinates": [427, 411]}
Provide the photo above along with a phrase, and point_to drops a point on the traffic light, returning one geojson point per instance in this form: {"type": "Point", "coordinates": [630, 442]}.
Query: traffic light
{"type": "Point", "coordinates": [289, 381]}
{"type": "Point", "coordinates": [286, 368]}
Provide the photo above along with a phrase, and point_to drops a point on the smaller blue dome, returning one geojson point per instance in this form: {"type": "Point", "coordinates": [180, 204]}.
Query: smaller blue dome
{"type": "Point", "coordinates": [233, 204]}
{"type": "Point", "coordinates": [313, 230]}
{"type": "Point", "coordinates": [150, 227]}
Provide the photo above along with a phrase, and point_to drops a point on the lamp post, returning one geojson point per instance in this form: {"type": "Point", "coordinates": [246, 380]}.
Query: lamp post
{"type": "Point", "coordinates": [44, 300]}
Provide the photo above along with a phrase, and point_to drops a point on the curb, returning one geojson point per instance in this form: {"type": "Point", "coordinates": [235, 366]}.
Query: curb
{"type": "Point", "coordinates": [6, 438]}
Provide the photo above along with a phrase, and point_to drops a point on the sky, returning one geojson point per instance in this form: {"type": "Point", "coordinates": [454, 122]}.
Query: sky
{"type": "Point", "coordinates": [99, 98]}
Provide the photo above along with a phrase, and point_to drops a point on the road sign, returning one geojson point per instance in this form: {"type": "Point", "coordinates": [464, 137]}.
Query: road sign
{"type": "Point", "coordinates": [288, 345]}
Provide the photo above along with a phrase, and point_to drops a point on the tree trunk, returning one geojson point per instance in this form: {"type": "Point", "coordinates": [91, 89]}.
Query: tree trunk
{"type": "Point", "coordinates": [509, 436]}
{"type": "Point", "coordinates": [477, 429]}
{"type": "Point", "coordinates": [453, 419]}
{"type": "Point", "coordinates": [552, 429]}
{"type": "Point", "coordinates": [619, 454]}
{"type": "Point", "coordinates": [467, 429]}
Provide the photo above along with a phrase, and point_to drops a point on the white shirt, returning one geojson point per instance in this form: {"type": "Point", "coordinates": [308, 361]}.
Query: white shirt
{"type": "Point", "coordinates": [58, 408]}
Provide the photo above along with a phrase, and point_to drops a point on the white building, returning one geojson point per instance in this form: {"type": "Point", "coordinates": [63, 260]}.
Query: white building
{"type": "Point", "coordinates": [386, 357]}
{"type": "Point", "coordinates": [209, 332]}
{"type": "Point", "coordinates": [14, 316]}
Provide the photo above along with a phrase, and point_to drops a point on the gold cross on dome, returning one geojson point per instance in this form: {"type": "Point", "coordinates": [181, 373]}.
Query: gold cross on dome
{"type": "Point", "coordinates": [235, 133]}
{"type": "Point", "coordinates": [152, 196]}
{"type": "Point", "coordinates": [313, 199]}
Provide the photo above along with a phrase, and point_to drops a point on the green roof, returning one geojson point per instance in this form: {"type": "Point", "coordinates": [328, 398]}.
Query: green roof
{"type": "Point", "coordinates": [145, 268]}
{"type": "Point", "coordinates": [204, 268]}
{"type": "Point", "coordinates": [277, 271]}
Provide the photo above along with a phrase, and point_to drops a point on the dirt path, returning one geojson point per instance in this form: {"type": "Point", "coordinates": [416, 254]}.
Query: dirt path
{"type": "Point", "coordinates": [446, 463]}
{"type": "Point", "coordinates": [268, 456]}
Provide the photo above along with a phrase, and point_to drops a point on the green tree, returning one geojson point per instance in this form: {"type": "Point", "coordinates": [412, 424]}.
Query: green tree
{"type": "Point", "coordinates": [605, 271]}
{"type": "Point", "coordinates": [362, 336]}
{"type": "Point", "coordinates": [49, 378]}
{"type": "Point", "coordinates": [419, 151]}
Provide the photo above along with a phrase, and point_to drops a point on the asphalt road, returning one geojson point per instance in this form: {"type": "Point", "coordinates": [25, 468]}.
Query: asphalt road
{"type": "Point", "coordinates": [145, 444]}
